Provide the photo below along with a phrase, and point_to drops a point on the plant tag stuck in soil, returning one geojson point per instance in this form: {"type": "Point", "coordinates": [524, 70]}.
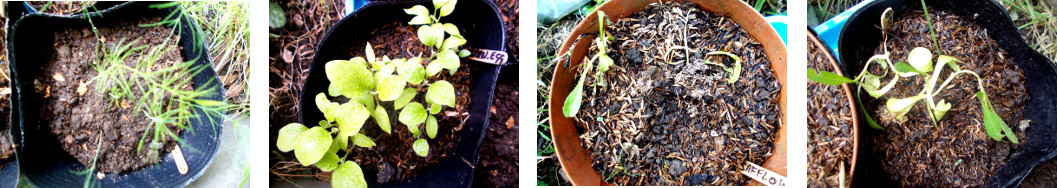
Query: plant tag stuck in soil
{"type": "Point", "coordinates": [488, 56]}
{"type": "Point", "coordinates": [762, 175]}
{"type": "Point", "coordinates": [178, 156]}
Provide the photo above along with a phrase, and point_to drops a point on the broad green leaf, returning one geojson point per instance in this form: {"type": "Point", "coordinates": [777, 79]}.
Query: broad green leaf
{"type": "Point", "coordinates": [348, 175]}
{"type": "Point", "coordinates": [437, 32]}
{"type": "Point", "coordinates": [326, 107]}
{"type": "Point", "coordinates": [276, 17]}
{"type": "Point", "coordinates": [941, 109]}
{"type": "Point", "coordinates": [431, 127]}
{"type": "Point", "coordinates": [950, 61]}
{"type": "Point", "coordinates": [352, 78]}
{"type": "Point", "coordinates": [434, 67]}
{"type": "Point", "coordinates": [367, 101]}
{"type": "Point", "coordinates": [447, 8]}
{"type": "Point", "coordinates": [384, 71]}
{"type": "Point", "coordinates": [900, 107]}
{"type": "Point", "coordinates": [413, 114]}
{"type": "Point", "coordinates": [920, 58]}
{"type": "Point", "coordinates": [421, 147]}
{"type": "Point", "coordinates": [362, 140]}
{"type": "Point", "coordinates": [451, 29]}
{"type": "Point", "coordinates": [450, 60]}
{"type": "Point", "coordinates": [442, 92]}
{"type": "Point", "coordinates": [332, 90]}
{"type": "Point", "coordinates": [438, 3]}
{"type": "Point", "coordinates": [381, 117]}
{"type": "Point", "coordinates": [419, 20]}
{"type": "Point", "coordinates": [413, 129]}
{"type": "Point", "coordinates": [435, 108]}
{"type": "Point", "coordinates": [390, 87]}
{"type": "Point", "coordinates": [425, 34]}
{"type": "Point", "coordinates": [312, 144]}
{"type": "Point", "coordinates": [351, 117]}
{"type": "Point", "coordinates": [329, 162]}
{"type": "Point", "coordinates": [453, 43]}
{"type": "Point", "coordinates": [417, 10]}
{"type": "Point", "coordinates": [826, 77]}
{"type": "Point", "coordinates": [288, 136]}
{"type": "Point", "coordinates": [572, 101]}
{"type": "Point", "coordinates": [341, 142]}
{"type": "Point", "coordinates": [369, 50]}
{"type": "Point", "coordinates": [405, 97]}
{"type": "Point", "coordinates": [872, 90]}
{"type": "Point", "coordinates": [993, 124]}
{"type": "Point", "coordinates": [412, 72]}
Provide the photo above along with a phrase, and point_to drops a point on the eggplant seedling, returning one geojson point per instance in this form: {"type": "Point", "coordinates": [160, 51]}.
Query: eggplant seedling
{"type": "Point", "coordinates": [919, 63]}
{"type": "Point", "coordinates": [573, 102]}
{"type": "Point", "coordinates": [367, 82]}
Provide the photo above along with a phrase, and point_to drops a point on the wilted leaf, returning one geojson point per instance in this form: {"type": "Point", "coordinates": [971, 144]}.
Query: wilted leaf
{"type": "Point", "coordinates": [900, 107]}
{"type": "Point", "coordinates": [920, 58]}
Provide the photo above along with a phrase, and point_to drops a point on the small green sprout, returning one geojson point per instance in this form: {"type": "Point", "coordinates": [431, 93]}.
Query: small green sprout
{"type": "Point", "coordinates": [370, 80]}
{"type": "Point", "coordinates": [573, 101]}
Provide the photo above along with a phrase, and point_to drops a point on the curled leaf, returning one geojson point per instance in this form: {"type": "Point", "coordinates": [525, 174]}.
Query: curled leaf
{"type": "Point", "coordinates": [417, 10]}
{"type": "Point", "coordinates": [900, 107]}
{"type": "Point", "coordinates": [921, 59]}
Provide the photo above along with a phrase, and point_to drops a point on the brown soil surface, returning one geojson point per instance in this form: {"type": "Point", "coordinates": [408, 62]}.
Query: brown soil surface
{"type": "Point", "coordinates": [61, 7]}
{"type": "Point", "coordinates": [80, 121]}
{"type": "Point", "coordinates": [509, 10]}
{"type": "Point", "coordinates": [393, 158]}
{"type": "Point", "coordinates": [498, 166]}
{"type": "Point", "coordinates": [917, 152]}
{"type": "Point", "coordinates": [1042, 175]}
{"type": "Point", "coordinates": [830, 140]}
{"type": "Point", "coordinates": [683, 124]}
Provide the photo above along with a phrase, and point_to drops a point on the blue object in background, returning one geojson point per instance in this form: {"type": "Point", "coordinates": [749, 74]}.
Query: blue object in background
{"type": "Point", "coordinates": [779, 25]}
{"type": "Point", "coordinates": [829, 31]}
{"type": "Point", "coordinates": [356, 4]}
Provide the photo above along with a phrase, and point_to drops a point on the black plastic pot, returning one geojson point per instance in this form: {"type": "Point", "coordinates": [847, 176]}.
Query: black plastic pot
{"type": "Point", "coordinates": [44, 163]}
{"type": "Point", "coordinates": [483, 29]}
{"type": "Point", "coordinates": [861, 35]}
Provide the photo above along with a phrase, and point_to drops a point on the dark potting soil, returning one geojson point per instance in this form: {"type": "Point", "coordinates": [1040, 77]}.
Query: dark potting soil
{"type": "Point", "coordinates": [79, 116]}
{"type": "Point", "coordinates": [499, 150]}
{"type": "Point", "coordinates": [830, 140]}
{"type": "Point", "coordinates": [1042, 176]}
{"type": "Point", "coordinates": [60, 7]}
{"type": "Point", "coordinates": [956, 152]}
{"type": "Point", "coordinates": [509, 11]}
{"type": "Point", "coordinates": [683, 124]}
{"type": "Point", "coordinates": [392, 158]}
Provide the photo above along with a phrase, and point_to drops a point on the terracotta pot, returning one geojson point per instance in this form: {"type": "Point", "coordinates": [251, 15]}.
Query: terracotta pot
{"type": "Point", "coordinates": [813, 39]}
{"type": "Point", "coordinates": [574, 159]}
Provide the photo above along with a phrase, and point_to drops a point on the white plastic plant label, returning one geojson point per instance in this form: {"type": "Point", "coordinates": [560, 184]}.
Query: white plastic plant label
{"type": "Point", "coordinates": [762, 175]}
{"type": "Point", "coordinates": [488, 56]}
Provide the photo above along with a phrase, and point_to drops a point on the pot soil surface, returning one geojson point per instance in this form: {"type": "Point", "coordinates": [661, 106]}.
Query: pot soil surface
{"type": "Point", "coordinates": [79, 116]}
{"type": "Point", "coordinates": [392, 158]}
{"type": "Point", "coordinates": [60, 7]}
{"type": "Point", "coordinates": [830, 126]}
{"type": "Point", "coordinates": [662, 124]}
{"type": "Point", "coordinates": [499, 151]}
{"type": "Point", "coordinates": [956, 152]}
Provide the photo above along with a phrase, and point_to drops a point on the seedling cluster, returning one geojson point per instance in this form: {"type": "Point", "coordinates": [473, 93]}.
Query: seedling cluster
{"type": "Point", "coordinates": [369, 81]}
{"type": "Point", "coordinates": [573, 101]}
{"type": "Point", "coordinates": [919, 63]}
